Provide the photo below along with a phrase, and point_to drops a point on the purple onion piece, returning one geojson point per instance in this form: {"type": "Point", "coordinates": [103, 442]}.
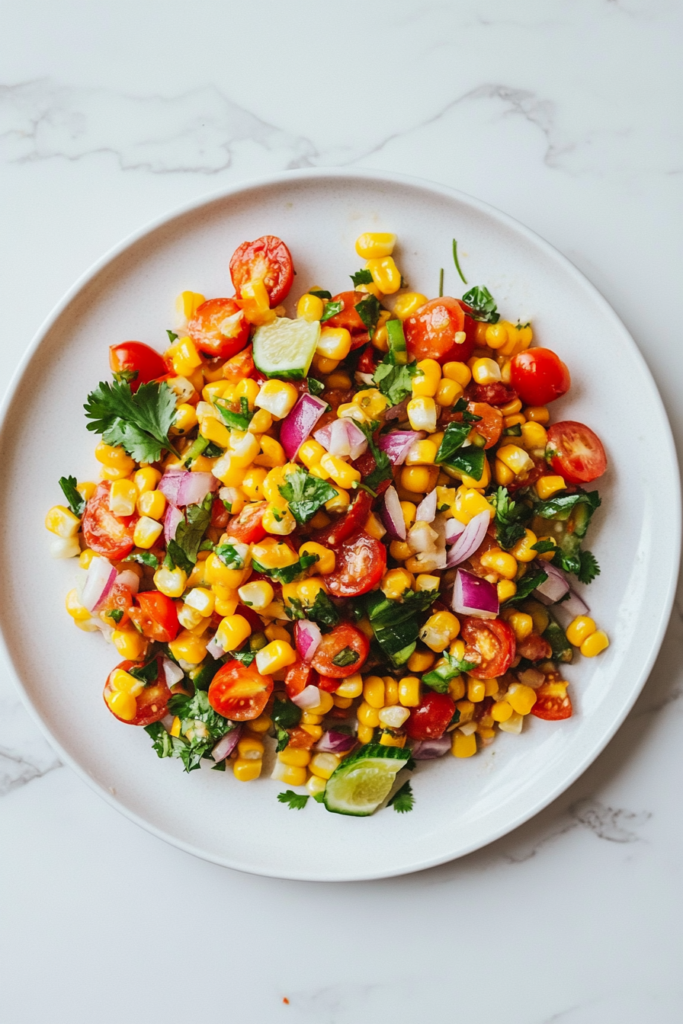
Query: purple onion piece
{"type": "Point", "coordinates": [172, 517]}
{"type": "Point", "coordinates": [172, 672]}
{"type": "Point", "coordinates": [307, 637]}
{"type": "Point", "coordinates": [226, 744]}
{"type": "Point", "coordinates": [335, 742]}
{"type": "Point", "coordinates": [397, 412]}
{"type": "Point", "coordinates": [427, 750]}
{"type": "Point", "coordinates": [454, 528]}
{"type": "Point", "coordinates": [470, 539]}
{"type": "Point", "coordinates": [194, 487]}
{"type": "Point", "coordinates": [555, 587]}
{"type": "Point", "coordinates": [299, 423]}
{"type": "Point", "coordinates": [398, 443]}
{"type": "Point", "coordinates": [214, 649]}
{"type": "Point", "coordinates": [98, 582]}
{"type": "Point", "coordinates": [475, 596]}
{"type": "Point", "coordinates": [308, 698]}
{"type": "Point", "coordinates": [392, 514]}
{"type": "Point", "coordinates": [426, 510]}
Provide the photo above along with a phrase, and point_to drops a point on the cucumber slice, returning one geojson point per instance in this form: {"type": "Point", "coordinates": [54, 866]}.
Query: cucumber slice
{"type": "Point", "coordinates": [361, 782]}
{"type": "Point", "coordinates": [397, 341]}
{"type": "Point", "coordinates": [285, 348]}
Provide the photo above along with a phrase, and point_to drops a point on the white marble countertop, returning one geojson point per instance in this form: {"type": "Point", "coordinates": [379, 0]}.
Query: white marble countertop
{"type": "Point", "coordinates": [566, 115]}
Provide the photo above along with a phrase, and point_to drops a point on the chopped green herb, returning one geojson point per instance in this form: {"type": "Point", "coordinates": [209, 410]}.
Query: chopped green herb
{"type": "Point", "coordinates": [382, 470]}
{"type": "Point", "coordinates": [197, 448]}
{"type": "Point", "coordinates": [320, 292]}
{"type": "Point", "coordinates": [285, 713]}
{"type": "Point", "coordinates": [126, 376]}
{"type": "Point", "coordinates": [144, 558]}
{"type": "Point", "coordinates": [331, 309]}
{"type": "Point", "coordinates": [246, 657]}
{"type": "Point", "coordinates": [483, 305]}
{"type": "Point", "coordinates": [230, 556]}
{"type": "Point", "coordinates": [183, 549]}
{"type": "Point", "coordinates": [468, 462]}
{"type": "Point", "coordinates": [561, 506]}
{"type": "Point", "coordinates": [116, 614]}
{"type": "Point", "coordinates": [172, 336]}
{"type": "Point", "coordinates": [288, 573]}
{"type": "Point", "coordinates": [361, 277]}
{"type": "Point", "coordinates": [74, 498]}
{"type": "Point", "coordinates": [510, 519]}
{"type": "Point", "coordinates": [394, 381]}
{"type": "Point", "coordinates": [543, 546]}
{"type": "Point", "coordinates": [200, 727]}
{"type": "Point", "coordinates": [457, 264]}
{"type": "Point", "coordinates": [315, 387]}
{"type": "Point", "coordinates": [236, 420]}
{"type": "Point", "coordinates": [403, 799]}
{"type": "Point", "coordinates": [588, 567]}
{"type": "Point", "coordinates": [164, 744]}
{"type": "Point", "coordinates": [453, 439]}
{"type": "Point", "coordinates": [138, 422]}
{"type": "Point", "coordinates": [321, 611]}
{"type": "Point", "coordinates": [145, 673]}
{"type": "Point", "coordinates": [347, 656]}
{"type": "Point", "coordinates": [296, 801]}
{"type": "Point", "coordinates": [527, 584]}
{"type": "Point", "coordinates": [282, 739]}
{"type": "Point", "coordinates": [368, 310]}
{"type": "Point", "coordinates": [305, 494]}
{"type": "Point", "coordinates": [470, 417]}
{"type": "Point", "coordinates": [213, 451]}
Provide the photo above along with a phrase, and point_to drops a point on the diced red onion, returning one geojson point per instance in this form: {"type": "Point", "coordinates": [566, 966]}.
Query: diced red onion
{"type": "Point", "coordinates": [339, 439]}
{"type": "Point", "coordinates": [172, 517]}
{"type": "Point", "coordinates": [308, 698]}
{"type": "Point", "coordinates": [307, 637]}
{"type": "Point", "coordinates": [474, 596]}
{"type": "Point", "coordinates": [169, 484]}
{"type": "Point", "coordinates": [397, 444]}
{"type": "Point", "coordinates": [99, 581]}
{"type": "Point", "coordinates": [214, 649]}
{"type": "Point", "coordinates": [470, 539]}
{"type": "Point", "coordinates": [397, 412]}
{"type": "Point", "coordinates": [172, 672]}
{"type": "Point", "coordinates": [167, 722]}
{"type": "Point", "coordinates": [129, 579]}
{"type": "Point", "coordinates": [555, 587]}
{"type": "Point", "coordinates": [184, 488]}
{"type": "Point", "coordinates": [427, 750]}
{"type": "Point", "coordinates": [335, 742]}
{"type": "Point", "coordinates": [226, 744]}
{"type": "Point", "coordinates": [392, 514]}
{"type": "Point", "coordinates": [299, 423]}
{"type": "Point", "coordinates": [574, 605]}
{"type": "Point", "coordinates": [358, 442]}
{"type": "Point", "coordinates": [454, 528]}
{"type": "Point", "coordinates": [426, 510]}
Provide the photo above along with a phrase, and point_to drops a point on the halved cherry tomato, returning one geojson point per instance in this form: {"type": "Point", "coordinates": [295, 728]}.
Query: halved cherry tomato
{"type": "Point", "coordinates": [430, 332]}
{"type": "Point", "coordinates": [103, 532]}
{"type": "Point", "coordinates": [151, 702]}
{"type": "Point", "coordinates": [361, 563]}
{"type": "Point", "coordinates": [240, 366]}
{"type": "Point", "coordinates": [348, 523]}
{"type": "Point", "coordinates": [328, 684]}
{"type": "Point", "coordinates": [430, 719]}
{"type": "Point", "coordinates": [247, 526]}
{"type": "Point", "coordinates": [348, 316]}
{"type": "Point", "coordinates": [534, 648]}
{"type": "Point", "coordinates": [219, 328]}
{"type": "Point", "coordinates": [577, 453]}
{"type": "Point", "coordinates": [300, 739]}
{"type": "Point", "coordinates": [118, 599]}
{"type": "Point", "coordinates": [490, 423]}
{"type": "Point", "coordinates": [267, 258]}
{"type": "Point", "coordinates": [156, 616]}
{"type": "Point", "coordinates": [239, 692]}
{"type": "Point", "coordinates": [298, 677]}
{"type": "Point", "coordinates": [495, 394]}
{"type": "Point", "coordinates": [344, 640]}
{"type": "Point", "coordinates": [368, 360]}
{"type": "Point", "coordinates": [136, 357]}
{"type": "Point", "coordinates": [490, 643]}
{"type": "Point", "coordinates": [219, 514]}
{"type": "Point", "coordinates": [551, 707]}
{"type": "Point", "coordinates": [539, 376]}
{"type": "Point", "coordinates": [366, 464]}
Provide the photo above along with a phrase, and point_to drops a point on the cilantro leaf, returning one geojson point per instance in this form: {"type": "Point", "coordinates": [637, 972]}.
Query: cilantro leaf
{"type": "Point", "coordinates": [468, 461]}
{"type": "Point", "coordinates": [236, 420]}
{"type": "Point", "coordinates": [285, 713]}
{"type": "Point", "coordinates": [287, 573]}
{"type": "Point", "coordinates": [183, 549]}
{"type": "Point", "coordinates": [138, 422]}
{"type": "Point", "coordinates": [588, 568]}
{"type": "Point", "coordinates": [403, 799]}
{"type": "Point", "coordinates": [323, 611]}
{"type": "Point", "coordinates": [331, 309]}
{"type": "Point", "coordinates": [126, 375]}
{"type": "Point", "coordinates": [347, 656]}
{"type": "Point", "coordinates": [361, 277]}
{"type": "Point", "coordinates": [315, 387]}
{"type": "Point", "coordinates": [172, 336]}
{"type": "Point", "coordinates": [483, 305]}
{"type": "Point", "coordinates": [439, 678]}
{"type": "Point", "coordinates": [543, 546]}
{"type": "Point", "coordinates": [395, 381]}
{"type": "Point", "coordinates": [144, 558]}
{"type": "Point", "coordinates": [116, 614]}
{"type": "Point", "coordinates": [527, 584]}
{"type": "Point", "coordinates": [382, 470]}
{"type": "Point", "coordinates": [230, 556]}
{"type": "Point", "coordinates": [74, 498]}
{"type": "Point", "coordinates": [164, 744]}
{"type": "Point", "coordinates": [320, 292]}
{"type": "Point", "coordinates": [282, 739]}
{"type": "Point", "coordinates": [305, 494]}
{"type": "Point", "coordinates": [510, 519]}
{"type": "Point", "coordinates": [368, 310]}
{"type": "Point", "coordinates": [453, 439]}
{"type": "Point", "coordinates": [296, 801]}
{"type": "Point", "coordinates": [145, 673]}
{"type": "Point", "coordinates": [562, 505]}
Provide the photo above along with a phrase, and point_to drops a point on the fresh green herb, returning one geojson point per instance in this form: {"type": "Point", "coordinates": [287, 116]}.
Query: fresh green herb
{"type": "Point", "coordinates": [588, 567]}
{"type": "Point", "coordinates": [398, 350]}
{"type": "Point", "coordinates": [305, 494]}
{"type": "Point", "coordinates": [203, 673]}
{"type": "Point", "coordinates": [453, 439]}
{"type": "Point", "coordinates": [543, 546]}
{"type": "Point", "coordinates": [331, 309]}
{"type": "Point", "coordinates": [441, 282]}
{"type": "Point", "coordinates": [282, 739]}
{"type": "Point", "coordinates": [382, 470]}
{"type": "Point", "coordinates": [288, 573]}
{"type": "Point", "coordinates": [172, 336]}
{"type": "Point", "coordinates": [138, 422]}
{"type": "Point", "coordinates": [514, 431]}
{"type": "Point", "coordinates": [164, 744]}
{"type": "Point", "coordinates": [213, 451]}
{"type": "Point", "coordinates": [200, 727]}
{"type": "Point", "coordinates": [116, 614]}
{"type": "Point", "coordinates": [561, 648]}
{"type": "Point", "coordinates": [368, 310]}
{"type": "Point", "coordinates": [468, 462]}
{"type": "Point", "coordinates": [144, 558]}
{"type": "Point", "coordinates": [395, 623]}
{"type": "Point", "coordinates": [74, 498]}
{"type": "Point", "coordinates": [483, 305]}
{"type": "Point", "coordinates": [394, 381]}
{"type": "Point", "coordinates": [227, 505]}
{"type": "Point", "coordinates": [361, 277]}
{"type": "Point", "coordinates": [439, 678]}
{"type": "Point", "coordinates": [460, 406]}
{"type": "Point", "coordinates": [145, 673]}
{"type": "Point", "coordinates": [315, 387]}
{"type": "Point", "coordinates": [347, 656]}
{"type": "Point", "coordinates": [246, 657]}
{"type": "Point", "coordinates": [510, 519]}
{"type": "Point", "coordinates": [296, 801]}
{"type": "Point", "coordinates": [197, 448]}
{"type": "Point", "coordinates": [230, 556]}
{"type": "Point", "coordinates": [320, 292]}
{"type": "Point", "coordinates": [321, 611]}
{"type": "Point", "coordinates": [470, 417]}
{"type": "Point", "coordinates": [576, 510]}
{"type": "Point", "coordinates": [220, 767]}
{"type": "Point", "coordinates": [236, 420]}
{"type": "Point", "coordinates": [285, 713]}
{"type": "Point", "coordinates": [457, 264]}
{"type": "Point", "coordinates": [527, 584]}
{"type": "Point", "coordinates": [183, 549]}
{"type": "Point", "coordinates": [403, 799]}
{"type": "Point", "coordinates": [561, 506]}
{"type": "Point", "coordinates": [126, 376]}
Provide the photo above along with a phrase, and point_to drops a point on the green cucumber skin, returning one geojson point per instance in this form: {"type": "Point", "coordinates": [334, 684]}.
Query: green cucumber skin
{"type": "Point", "coordinates": [369, 751]}
{"type": "Point", "coordinates": [295, 374]}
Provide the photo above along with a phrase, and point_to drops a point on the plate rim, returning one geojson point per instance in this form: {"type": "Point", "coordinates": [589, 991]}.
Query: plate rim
{"type": "Point", "coordinates": [378, 177]}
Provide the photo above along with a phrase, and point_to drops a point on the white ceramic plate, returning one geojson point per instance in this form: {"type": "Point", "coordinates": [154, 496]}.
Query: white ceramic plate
{"type": "Point", "coordinates": [460, 805]}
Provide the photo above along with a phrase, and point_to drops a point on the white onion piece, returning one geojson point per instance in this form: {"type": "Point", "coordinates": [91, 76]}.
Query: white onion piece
{"type": "Point", "coordinates": [426, 510]}
{"type": "Point", "coordinates": [299, 423]}
{"type": "Point", "coordinates": [167, 722]}
{"type": "Point", "coordinates": [574, 605]}
{"type": "Point", "coordinates": [358, 442]}
{"type": "Point", "coordinates": [214, 649]}
{"type": "Point", "coordinates": [339, 439]}
{"type": "Point", "coordinates": [555, 587]}
{"type": "Point", "coordinates": [335, 742]}
{"type": "Point", "coordinates": [307, 637]}
{"type": "Point", "coordinates": [392, 514]}
{"type": "Point", "coordinates": [194, 487]}
{"type": "Point", "coordinates": [104, 627]}
{"type": "Point", "coordinates": [454, 528]}
{"type": "Point", "coordinates": [172, 672]}
{"type": "Point", "coordinates": [129, 579]}
{"type": "Point", "coordinates": [427, 750]}
{"type": "Point", "coordinates": [226, 744]}
{"type": "Point", "coordinates": [172, 517]}
{"type": "Point", "coordinates": [474, 596]}
{"type": "Point", "coordinates": [98, 583]}
{"type": "Point", "coordinates": [470, 539]}
{"type": "Point", "coordinates": [308, 698]}
{"type": "Point", "coordinates": [422, 538]}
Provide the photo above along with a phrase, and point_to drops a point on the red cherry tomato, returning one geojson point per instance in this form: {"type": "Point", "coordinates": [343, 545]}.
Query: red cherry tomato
{"type": "Point", "coordinates": [539, 376]}
{"type": "Point", "coordinates": [369, 360]}
{"type": "Point", "coordinates": [118, 599]}
{"type": "Point", "coordinates": [430, 332]}
{"type": "Point", "coordinates": [551, 706]}
{"type": "Point", "coordinates": [348, 316]}
{"type": "Point", "coordinates": [349, 523]}
{"type": "Point", "coordinates": [361, 563]}
{"type": "Point", "coordinates": [430, 719]}
{"type": "Point", "coordinates": [239, 692]}
{"type": "Point", "coordinates": [494, 394]}
{"type": "Point", "coordinates": [219, 514]}
{"type": "Point", "coordinates": [151, 702]}
{"type": "Point", "coordinates": [300, 739]}
{"type": "Point", "coordinates": [268, 258]}
{"type": "Point", "coordinates": [156, 616]}
{"type": "Point", "coordinates": [247, 526]}
{"type": "Point", "coordinates": [577, 453]}
{"type": "Point", "coordinates": [298, 677]}
{"type": "Point", "coordinates": [103, 532]}
{"type": "Point", "coordinates": [219, 328]}
{"type": "Point", "coordinates": [366, 464]}
{"type": "Point", "coordinates": [328, 684]}
{"type": "Point", "coordinates": [136, 357]}
{"type": "Point", "coordinates": [240, 366]}
{"type": "Point", "coordinates": [343, 639]}
{"type": "Point", "coordinates": [490, 424]}
{"type": "Point", "coordinates": [534, 648]}
{"type": "Point", "coordinates": [490, 643]}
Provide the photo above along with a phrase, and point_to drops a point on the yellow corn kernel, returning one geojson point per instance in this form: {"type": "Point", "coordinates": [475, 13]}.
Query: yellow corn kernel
{"type": "Point", "coordinates": [123, 497]}
{"type": "Point", "coordinates": [505, 590]}
{"type": "Point", "coordinates": [409, 510]}
{"type": "Point", "coordinates": [595, 644]}
{"type": "Point", "coordinates": [534, 435]}
{"type": "Point", "coordinates": [309, 307]}
{"type": "Point", "coordinates": [522, 625]}
{"type": "Point", "coordinates": [170, 582]}
{"type": "Point", "coordinates": [367, 715]}
{"type": "Point", "coordinates": [523, 549]}
{"type": "Point", "coordinates": [278, 521]}
{"type": "Point", "coordinates": [448, 392]}
{"type": "Point", "coordinates": [295, 757]}
{"type": "Point", "coordinates": [547, 556]}
{"type": "Point", "coordinates": [261, 724]}
{"type": "Point", "coordinates": [419, 661]}
{"type": "Point", "coordinates": [392, 739]}
{"type": "Point", "coordinates": [274, 656]}
{"type": "Point", "coordinates": [246, 769]}
{"type": "Point", "coordinates": [395, 582]}
{"type": "Point", "coordinates": [257, 595]}
{"type": "Point", "coordinates": [351, 687]}
{"type": "Point", "coordinates": [579, 629]}
{"type": "Point", "coordinates": [373, 527]}
{"type": "Point", "coordinates": [202, 600]}
{"type": "Point", "coordinates": [416, 479]}
{"type": "Point", "coordinates": [422, 453]}
{"type": "Point", "coordinates": [184, 356]}
{"type": "Point", "coordinates": [385, 274]}
{"type": "Point", "coordinates": [457, 688]}
{"type": "Point", "coordinates": [188, 647]}
{"type": "Point", "coordinates": [499, 561]}
{"type": "Point", "coordinates": [365, 733]}
{"type": "Point", "coordinates": [129, 643]}
{"type": "Point", "coordinates": [291, 775]}
{"type": "Point", "coordinates": [334, 343]}
{"type": "Point", "coordinates": [390, 692]}
{"type": "Point", "coordinates": [147, 532]}
{"type": "Point", "coordinates": [341, 702]}
{"type": "Point", "coordinates": [458, 372]}
{"type": "Point", "coordinates": [513, 724]}
{"type": "Point", "coordinates": [422, 414]}
{"type": "Point", "coordinates": [187, 304]}
{"type": "Point", "coordinates": [326, 559]}
{"type": "Point", "coordinates": [501, 711]}
{"type": "Point", "coordinates": [323, 765]}
{"type": "Point", "coordinates": [273, 481]}
{"type": "Point", "coordinates": [375, 244]}
{"type": "Point", "coordinates": [466, 709]}
{"type": "Point", "coordinates": [371, 401]}
{"type": "Point", "coordinates": [122, 704]}
{"type": "Point", "coordinates": [273, 554]}
{"type": "Point", "coordinates": [256, 302]}
{"type": "Point", "coordinates": [62, 522]}
{"type": "Point", "coordinates": [516, 459]}
{"type": "Point", "coordinates": [373, 692]}
{"type": "Point", "coordinates": [74, 607]}
{"type": "Point", "coordinates": [439, 630]}
{"type": "Point", "coordinates": [315, 785]}
{"type": "Point", "coordinates": [185, 418]}
{"type": "Point", "coordinates": [408, 303]}
{"type": "Point", "coordinates": [399, 550]}
{"type": "Point", "coordinates": [537, 413]}
{"type": "Point", "coordinates": [504, 476]}
{"type": "Point", "coordinates": [520, 698]}
{"type": "Point", "coordinates": [152, 504]}
{"type": "Point", "coordinates": [409, 691]}
{"type": "Point", "coordinates": [146, 479]}
{"type": "Point", "coordinates": [464, 746]}
{"type": "Point", "coordinates": [497, 335]}
{"type": "Point", "coordinates": [216, 571]}
{"type": "Point", "coordinates": [340, 380]}
{"type": "Point", "coordinates": [252, 482]}
{"type": "Point", "coordinates": [274, 631]}
{"type": "Point", "coordinates": [324, 365]}
{"type": "Point", "coordinates": [114, 458]}
{"type": "Point", "coordinates": [426, 380]}
{"type": "Point", "coordinates": [277, 397]}
{"type": "Point", "coordinates": [247, 388]}
{"type": "Point", "coordinates": [486, 371]}
{"type": "Point", "coordinates": [217, 432]}
{"type": "Point", "coordinates": [189, 618]}
{"type": "Point", "coordinates": [549, 485]}
{"type": "Point", "coordinates": [310, 453]}
{"type": "Point", "coordinates": [250, 747]}
{"type": "Point", "coordinates": [468, 504]}
{"type": "Point", "coordinates": [511, 408]}
{"type": "Point", "coordinates": [309, 589]}
{"type": "Point", "coordinates": [476, 690]}
{"type": "Point", "coordinates": [232, 632]}
{"type": "Point", "coordinates": [484, 480]}
{"type": "Point", "coordinates": [343, 474]}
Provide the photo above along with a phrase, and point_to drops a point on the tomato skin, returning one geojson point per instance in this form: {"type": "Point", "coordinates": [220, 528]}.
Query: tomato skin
{"type": "Point", "coordinates": [119, 598]}
{"type": "Point", "coordinates": [366, 464]}
{"type": "Point", "coordinates": [492, 644]}
{"type": "Point", "coordinates": [361, 563]}
{"type": "Point", "coordinates": [240, 366]}
{"type": "Point", "coordinates": [103, 532]}
{"type": "Point", "coordinates": [430, 332]}
{"type": "Point", "coordinates": [577, 452]}
{"type": "Point", "coordinates": [490, 425]}
{"type": "Point", "coordinates": [248, 525]}
{"type": "Point", "coordinates": [212, 334]}
{"type": "Point", "coordinates": [219, 514]}
{"type": "Point", "coordinates": [298, 677]}
{"type": "Point", "coordinates": [430, 719]}
{"type": "Point", "coordinates": [156, 616]}
{"type": "Point", "coordinates": [369, 360]}
{"type": "Point", "coordinates": [348, 316]}
{"type": "Point", "coordinates": [344, 635]}
{"type": "Point", "coordinates": [535, 648]}
{"type": "Point", "coordinates": [539, 376]}
{"type": "Point", "coordinates": [267, 257]}
{"type": "Point", "coordinates": [151, 702]}
{"type": "Point", "coordinates": [494, 394]}
{"type": "Point", "coordinates": [551, 707]}
{"type": "Point", "coordinates": [348, 523]}
{"type": "Point", "coordinates": [328, 684]}
{"type": "Point", "coordinates": [137, 357]}
{"type": "Point", "coordinates": [239, 692]}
